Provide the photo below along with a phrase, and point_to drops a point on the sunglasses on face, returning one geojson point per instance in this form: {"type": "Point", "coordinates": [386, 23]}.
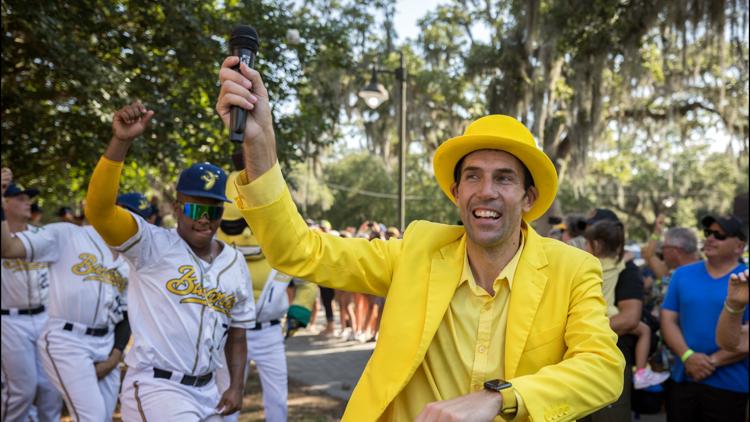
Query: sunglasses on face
{"type": "Point", "coordinates": [718, 236]}
{"type": "Point", "coordinates": [197, 211]}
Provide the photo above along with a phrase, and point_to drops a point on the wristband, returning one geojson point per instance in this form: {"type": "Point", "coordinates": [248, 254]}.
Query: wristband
{"type": "Point", "coordinates": [732, 310]}
{"type": "Point", "coordinates": [655, 237]}
{"type": "Point", "coordinates": [685, 356]}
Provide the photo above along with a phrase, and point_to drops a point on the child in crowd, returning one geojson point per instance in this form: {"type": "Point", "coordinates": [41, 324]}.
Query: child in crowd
{"type": "Point", "coordinates": [606, 240]}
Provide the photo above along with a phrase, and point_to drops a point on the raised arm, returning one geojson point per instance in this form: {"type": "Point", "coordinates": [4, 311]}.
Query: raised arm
{"type": "Point", "coordinates": [113, 223]}
{"type": "Point", "coordinates": [246, 90]}
{"type": "Point", "coordinates": [731, 333]}
{"type": "Point", "coordinates": [648, 251]}
{"type": "Point", "coordinates": [12, 247]}
{"type": "Point", "coordinates": [289, 245]}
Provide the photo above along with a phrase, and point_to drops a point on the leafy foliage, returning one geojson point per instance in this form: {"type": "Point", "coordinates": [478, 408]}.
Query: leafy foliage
{"type": "Point", "coordinates": [69, 65]}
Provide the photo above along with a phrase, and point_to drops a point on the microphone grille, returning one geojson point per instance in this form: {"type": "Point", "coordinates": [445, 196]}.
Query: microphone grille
{"type": "Point", "coordinates": [244, 36]}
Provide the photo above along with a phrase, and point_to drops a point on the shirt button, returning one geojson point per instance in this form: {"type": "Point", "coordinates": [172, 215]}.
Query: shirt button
{"type": "Point", "coordinates": [482, 349]}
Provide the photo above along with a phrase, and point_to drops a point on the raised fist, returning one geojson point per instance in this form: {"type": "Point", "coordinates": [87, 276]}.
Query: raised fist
{"type": "Point", "coordinates": [130, 121]}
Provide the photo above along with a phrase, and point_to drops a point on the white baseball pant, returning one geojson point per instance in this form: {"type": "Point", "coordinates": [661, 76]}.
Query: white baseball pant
{"type": "Point", "coordinates": [266, 348]}
{"type": "Point", "coordinates": [68, 358]}
{"type": "Point", "coordinates": [147, 399]}
{"type": "Point", "coordinates": [23, 378]}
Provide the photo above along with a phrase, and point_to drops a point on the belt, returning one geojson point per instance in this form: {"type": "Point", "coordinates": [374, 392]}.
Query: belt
{"type": "Point", "coordinates": [262, 325]}
{"type": "Point", "coordinates": [191, 380]}
{"type": "Point", "coordinates": [96, 332]}
{"type": "Point", "coordinates": [32, 311]}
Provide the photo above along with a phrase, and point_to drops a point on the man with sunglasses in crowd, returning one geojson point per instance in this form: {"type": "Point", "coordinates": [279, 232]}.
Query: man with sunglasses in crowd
{"type": "Point", "coordinates": [708, 383]}
{"type": "Point", "coordinates": [189, 293]}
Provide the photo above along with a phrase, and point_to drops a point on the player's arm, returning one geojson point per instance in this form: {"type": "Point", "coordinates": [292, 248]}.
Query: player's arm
{"type": "Point", "coordinates": [12, 247]}
{"type": "Point", "coordinates": [122, 336]}
{"type": "Point", "coordinates": [235, 351]}
{"type": "Point", "coordinates": [113, 223]}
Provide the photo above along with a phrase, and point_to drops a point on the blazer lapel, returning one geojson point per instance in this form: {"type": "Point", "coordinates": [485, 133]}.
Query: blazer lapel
{"type": "Point", "coordinates": [445, 271]}
{"type": "Point", "coordinates": [528, 286]}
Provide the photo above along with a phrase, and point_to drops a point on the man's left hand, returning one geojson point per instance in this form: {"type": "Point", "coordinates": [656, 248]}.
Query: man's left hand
{"type": "Point", "coordinates": [231, 401]}
{"type": "Point", "coordinates": [479, 406]}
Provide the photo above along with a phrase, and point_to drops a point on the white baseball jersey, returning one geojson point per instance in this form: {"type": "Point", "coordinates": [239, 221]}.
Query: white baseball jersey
{"type": "Point", "coordinates": [181, 306]}
{"type": "Point", "coordinates": [25, 284]}
{"type": "Point", "coordinates": [87, 285]}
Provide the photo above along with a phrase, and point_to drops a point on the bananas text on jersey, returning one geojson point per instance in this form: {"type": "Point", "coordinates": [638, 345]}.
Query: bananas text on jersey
{"type": "Point", "coordinates": [187, 285]}
{"type": "Point", "coordinates": [93, 271]}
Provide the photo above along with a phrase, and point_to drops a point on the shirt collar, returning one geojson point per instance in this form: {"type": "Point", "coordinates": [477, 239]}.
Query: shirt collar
{"type": "Point", "coordinates": [506, 273]}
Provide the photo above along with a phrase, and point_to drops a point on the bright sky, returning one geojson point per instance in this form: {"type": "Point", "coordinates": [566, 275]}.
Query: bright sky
{"type": "Point", "coordinates": [407, 14]}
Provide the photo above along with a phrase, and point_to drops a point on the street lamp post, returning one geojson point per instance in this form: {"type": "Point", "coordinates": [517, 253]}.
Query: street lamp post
{"type": "Point", "coordinates": [375, 94]}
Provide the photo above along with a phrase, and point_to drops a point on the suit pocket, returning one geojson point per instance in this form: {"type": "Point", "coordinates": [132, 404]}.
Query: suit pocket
{"type": "Point", "coordinates": [544, 337]}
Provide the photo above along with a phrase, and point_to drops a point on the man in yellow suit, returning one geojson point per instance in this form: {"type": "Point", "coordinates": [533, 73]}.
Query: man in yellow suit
{"type": "Point", "coordinates": [484, 321]}
{"type": "Point", "coordinates": [265, 341]}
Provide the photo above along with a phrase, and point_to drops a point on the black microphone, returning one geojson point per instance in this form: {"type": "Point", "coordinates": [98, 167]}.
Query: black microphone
{"type": "Point", "coordinates": [242, 43]}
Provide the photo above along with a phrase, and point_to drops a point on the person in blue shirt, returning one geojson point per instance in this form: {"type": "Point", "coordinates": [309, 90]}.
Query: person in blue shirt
{"type": "Point", "coordinates": [708, 383]}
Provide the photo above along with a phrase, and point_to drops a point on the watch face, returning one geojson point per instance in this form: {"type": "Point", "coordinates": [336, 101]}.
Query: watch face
{"type": "Point", "coordinates": [497, 385]}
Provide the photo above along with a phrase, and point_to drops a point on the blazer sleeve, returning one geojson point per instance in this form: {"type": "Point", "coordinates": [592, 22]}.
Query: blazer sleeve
{"type": "Point", "coordinates": [590, 375]}
{"type": "Point", "coordinates": [356, 265]}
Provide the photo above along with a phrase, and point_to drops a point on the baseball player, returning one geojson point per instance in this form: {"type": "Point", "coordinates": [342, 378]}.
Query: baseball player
{"type": "Point", "coordinates": [25, 290]}
{"type": "Point", "coordinates": [78, 346]}
{"type": "Point", "coordinates": [188, 295]}
{"type": "Point", "coordinates": [265, 341]}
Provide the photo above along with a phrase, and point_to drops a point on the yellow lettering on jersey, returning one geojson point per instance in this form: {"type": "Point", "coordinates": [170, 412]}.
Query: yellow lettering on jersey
{"type": "Point", "coordinates": [21, 265]}
{"type": "Point", "coordinates": [187, 285]}
{"type": "Point", "coordinates": [93, 271]}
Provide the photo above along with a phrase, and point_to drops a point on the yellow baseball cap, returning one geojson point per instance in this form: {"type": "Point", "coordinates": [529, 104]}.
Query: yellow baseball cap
{"type": "Point", "coordinates": [502, 133]}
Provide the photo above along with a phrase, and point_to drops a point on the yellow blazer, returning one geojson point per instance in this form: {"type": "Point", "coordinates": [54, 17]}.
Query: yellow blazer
{"type": "Point", "coordinates": [560, 353]}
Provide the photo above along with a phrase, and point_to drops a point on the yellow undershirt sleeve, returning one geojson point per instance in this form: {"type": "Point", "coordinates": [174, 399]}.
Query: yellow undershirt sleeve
{"type": "Point", "coordinates": [114, 224]}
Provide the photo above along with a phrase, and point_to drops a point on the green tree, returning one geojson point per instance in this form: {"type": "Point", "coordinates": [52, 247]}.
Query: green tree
{"type": "Point", "coordinates": [67, 66]}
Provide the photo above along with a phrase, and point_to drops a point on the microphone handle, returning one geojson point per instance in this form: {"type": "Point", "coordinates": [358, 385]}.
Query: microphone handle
{"type": "Point", "coordinates": [238, 115]}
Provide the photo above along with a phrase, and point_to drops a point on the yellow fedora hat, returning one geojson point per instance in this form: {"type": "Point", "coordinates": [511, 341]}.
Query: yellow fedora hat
{"type": "Point", "coordinates": [502, 133]}
{"type": "Point", "coordinates": [231, 212]}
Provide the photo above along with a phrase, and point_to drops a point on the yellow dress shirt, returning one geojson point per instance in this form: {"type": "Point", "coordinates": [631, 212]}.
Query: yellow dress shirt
{"type": "Point", "coordinates": [468, 347]}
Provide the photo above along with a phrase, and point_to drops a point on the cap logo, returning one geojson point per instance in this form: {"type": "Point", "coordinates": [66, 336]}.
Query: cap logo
{"type": "Point", "coordinates": [210, 179]}
{"type": "Point", "coordinates": [143, 204]}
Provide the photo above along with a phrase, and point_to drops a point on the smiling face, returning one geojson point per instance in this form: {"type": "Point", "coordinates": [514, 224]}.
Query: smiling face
{"type": "Point", "coordinates": [197, 233]}
{"type": "Point", "coordinates": [729, 248]}
{"type": "Point", "coordinates": [491, 198]}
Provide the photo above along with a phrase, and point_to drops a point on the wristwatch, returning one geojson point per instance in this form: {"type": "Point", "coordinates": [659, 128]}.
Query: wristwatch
{"type": "Point", "coordinates": [505, 388]}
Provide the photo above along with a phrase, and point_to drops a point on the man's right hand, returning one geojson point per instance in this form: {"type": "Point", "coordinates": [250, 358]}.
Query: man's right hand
{"type": "Point", "coordinates": [699, 367]}
{"type": "Point", "coordinates": [130, 121]}
{"type": "Point", "coordinates": [245, 89]}
{"type": "Point", "coordinates": [737, 291]}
